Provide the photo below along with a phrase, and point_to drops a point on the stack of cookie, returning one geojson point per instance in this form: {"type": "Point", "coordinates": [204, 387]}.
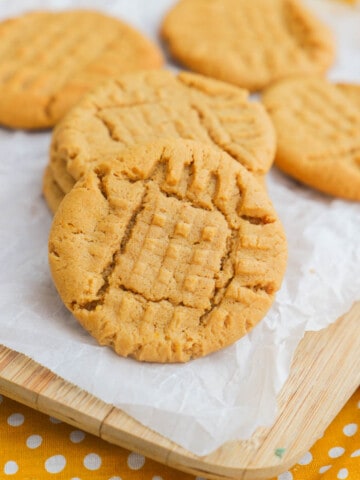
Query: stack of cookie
{"type": "Point", "coordinates": [165, 245]}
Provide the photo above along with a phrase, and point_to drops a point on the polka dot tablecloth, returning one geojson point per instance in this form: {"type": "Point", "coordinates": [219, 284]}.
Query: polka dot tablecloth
{"type": "Point", "coordinates": [34, 446]}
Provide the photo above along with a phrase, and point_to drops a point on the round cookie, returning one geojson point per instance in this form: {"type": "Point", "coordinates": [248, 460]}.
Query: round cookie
{"type": "Point", "coordinates": [146, 106]}
{"type": "Point", "coordinates": [49, 60]}
{"type": "Point", "coordinates": [317, 125]}
{"type": "Point", "coordinates": [168, 255]}
{"type": "Point", "coordinates": [248, 43]}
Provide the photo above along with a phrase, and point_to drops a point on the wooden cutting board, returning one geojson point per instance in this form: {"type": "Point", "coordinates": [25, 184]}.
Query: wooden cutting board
{"type": "Point", "coordinates": [325, 372]}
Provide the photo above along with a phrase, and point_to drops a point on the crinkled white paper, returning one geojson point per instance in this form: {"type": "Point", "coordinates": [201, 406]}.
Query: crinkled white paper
{"type": "Point", "coordinates": [225, 396]}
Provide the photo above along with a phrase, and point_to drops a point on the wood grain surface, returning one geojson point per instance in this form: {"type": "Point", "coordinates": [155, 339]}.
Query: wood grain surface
{"type": "Point", "coordinates": [324, 374]}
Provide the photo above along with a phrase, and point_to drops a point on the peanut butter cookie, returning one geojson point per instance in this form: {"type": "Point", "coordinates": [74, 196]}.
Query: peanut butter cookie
{"type": "Point", "coordinates": [169, 254]}
{"type": "Point", "coordinates": [146, 106]}
{"type": "Point", "coordinates": [48, 60]}
{"type": "Point", "coordinates": [318, 125]}
{"type": "Point", "coordinates": [249, 43]}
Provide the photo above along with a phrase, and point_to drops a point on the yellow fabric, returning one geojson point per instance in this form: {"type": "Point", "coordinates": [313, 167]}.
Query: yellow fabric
{"type": "Point", "coordinates": [34, 446]}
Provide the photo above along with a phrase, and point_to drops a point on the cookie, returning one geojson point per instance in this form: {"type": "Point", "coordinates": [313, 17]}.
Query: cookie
{"type": "Point", "coordinates": [248, 43]}
{"type": "Point", "coordinates": [170, 254]}
{"type": "Point", "coordinates": [49, 60]}
{"type": "Point", "coordinates": [318, 125]}
{"type": "Point", "coordinates": [146, 106]}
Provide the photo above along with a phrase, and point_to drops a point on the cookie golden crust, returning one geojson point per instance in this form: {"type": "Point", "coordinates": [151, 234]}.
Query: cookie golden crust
{"type": "Point", "coordinates": [146, 106]}
{"type": "Point", "coordinates": [51, 190]}
{"type": "Point", "coordinates": [317, 125]}
{"type": "Point", "coordinates": [248, 43]}
{"type": "Point", "coordinates": [170, 255]}
{"type": "Point", "coordinates": [49, 60]}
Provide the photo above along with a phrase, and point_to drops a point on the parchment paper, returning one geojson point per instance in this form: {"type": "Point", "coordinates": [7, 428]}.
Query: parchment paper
{"type": "Point", "coordinates": [227, 395]}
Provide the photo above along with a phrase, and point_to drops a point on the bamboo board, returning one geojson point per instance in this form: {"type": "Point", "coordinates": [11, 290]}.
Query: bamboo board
{"type": "Point", "coordinates": [325, 372]}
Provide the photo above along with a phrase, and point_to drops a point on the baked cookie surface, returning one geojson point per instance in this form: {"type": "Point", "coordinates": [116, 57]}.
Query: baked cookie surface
{"type": "Point", "coordinates": [248, 43]}
{"type": "Point", "coordinates": [49, 60]}
{"type": "Point", "coordinates": [146, 106]}
{"type": "Point", "coordinates": [51, 190]}
{"type": "Point", "coordinates": [168, 255]}
{"type": "Point", "coordinates": [318, 125]}
{"type": "Point", "coordinates": [351, 91]}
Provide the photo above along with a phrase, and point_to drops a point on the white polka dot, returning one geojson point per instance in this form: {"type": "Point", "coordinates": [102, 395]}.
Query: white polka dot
{"type": "Point", "coordinates": [55, 464]}
{"type": "Point", "coordinates": [350, 429]}
{"type": "Point", "coordinates": [157, 478]}
{"type": "Point", "coordinates": [306, 459]}
{"type": "Point", "coordinates": [342, 474]}
{"type": "Point", "coordinates": [11, 467]}
{"type": "Point", "coordinates": [285, 476]}
{"type": "Point", "coordinates": [16, 419]}
{"type": "Point", "coordinates": [77, 436]}
{"type": "Point", "coordinates": [135, 461]}
{"type": "Point", "coordinates": [355, 454]}
{"type": "Point", "coordinates": [34, 441]}
{"type": "Point", "coordinates": [54, 420]}
{"type": "Point", "coordinates": [336, 452]}
{"type": "Point", "coordinates": [115, 478]}
{"type": "Point", "coordinates": [200, 478]}
{"type": "Point", "coordinates": [75, 478]}
{"type": "Point", "coordinates": [92, 461]}
{"type": "Point", "coordinates": [325, 468]}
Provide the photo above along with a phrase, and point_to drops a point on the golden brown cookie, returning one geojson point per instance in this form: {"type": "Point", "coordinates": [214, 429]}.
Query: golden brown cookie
{"type": "Point", "coordinates": [49, 60]}
{"type": "Point", "coordinates": [249, 43]}
{"type": "Point", "coordinates": [318, 130]}
{"type": "Point", "coordinates": [146, 106]}
{"type": "Point", "coordinates": [168, 255]}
